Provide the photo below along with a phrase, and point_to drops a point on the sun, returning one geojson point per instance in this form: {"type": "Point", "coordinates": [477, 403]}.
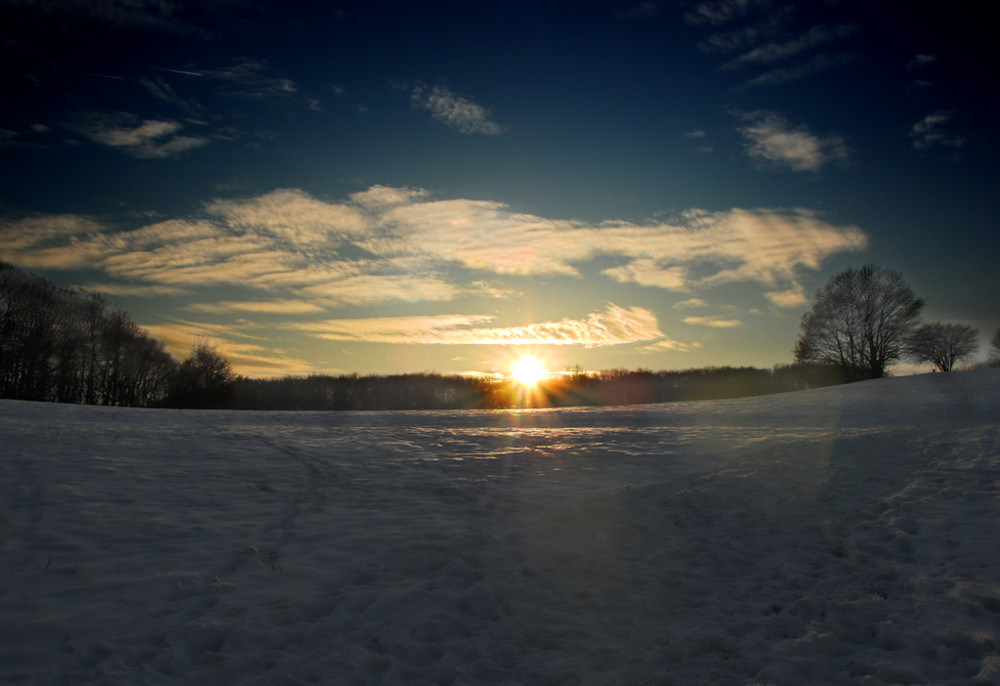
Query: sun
{"type": "Point", "coordinates": [528, 370]}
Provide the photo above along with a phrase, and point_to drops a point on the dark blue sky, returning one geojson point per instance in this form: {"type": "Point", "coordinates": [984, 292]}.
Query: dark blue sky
{"type": "Point", "coordinates": [381, 187]}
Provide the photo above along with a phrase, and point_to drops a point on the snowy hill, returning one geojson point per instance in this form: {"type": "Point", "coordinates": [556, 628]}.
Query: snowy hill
{"type": "Point", "coordinates": [842, 535]}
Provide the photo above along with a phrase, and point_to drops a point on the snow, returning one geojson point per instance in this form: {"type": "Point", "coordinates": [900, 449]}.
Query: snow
{"type": "Point", "coordinates": [843, 535]}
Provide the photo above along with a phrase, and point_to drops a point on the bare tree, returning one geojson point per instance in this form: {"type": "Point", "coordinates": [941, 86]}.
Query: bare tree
{"type": "Point", "coordinates": [205, 379]}
{"type": "Point", "coordinates": [862, 321]}
{"type": "Point", "coordinates": [67, 345]}
{"type": "Point", "coordinates": [943, 344]}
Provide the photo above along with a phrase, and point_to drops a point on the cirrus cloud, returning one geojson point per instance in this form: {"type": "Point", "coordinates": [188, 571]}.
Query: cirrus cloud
{"type": "Point", "coordinates": [148, 139]}
{"type": "Point", "coordinates": [389, 244]}
{"type": "Point", "coordinates": [713, 322]}
{"type": "Point", "coordinates": [614, 326]}
{"type": "Point", "coordinates": [455, 111]}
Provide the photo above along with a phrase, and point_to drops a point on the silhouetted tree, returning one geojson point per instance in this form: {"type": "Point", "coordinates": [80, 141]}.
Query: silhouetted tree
{"type": "Point", "coordinates": [862, 320]}
{"type": "Point", "coordinates": [204, 380]}
{"type": "Point", "coordinates": [67, 345]}
{"type": "Point", "coordinates": [943, 344]}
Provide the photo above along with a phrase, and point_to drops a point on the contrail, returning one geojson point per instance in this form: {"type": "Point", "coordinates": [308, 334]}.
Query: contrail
{"type": "Point", "coordinates": [102, 76]}
{"type": "Point", "coordinates": [179, 71]}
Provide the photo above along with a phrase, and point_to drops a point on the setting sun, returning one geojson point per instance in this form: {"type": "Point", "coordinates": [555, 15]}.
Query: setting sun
{"type": "Point", "coordinates": [528, 370]}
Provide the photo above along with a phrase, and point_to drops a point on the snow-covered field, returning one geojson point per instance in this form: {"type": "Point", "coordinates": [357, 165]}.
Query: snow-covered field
{"type": "Point", "coordinates": [845, 535]}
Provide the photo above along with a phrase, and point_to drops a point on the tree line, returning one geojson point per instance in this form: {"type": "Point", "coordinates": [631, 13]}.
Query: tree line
{"type": "Point", "coordinates": [566, 389]}
{"type": "Point", "coordinates": [71, 346]}
{"type": "Point", "coordinates": [68, 345]}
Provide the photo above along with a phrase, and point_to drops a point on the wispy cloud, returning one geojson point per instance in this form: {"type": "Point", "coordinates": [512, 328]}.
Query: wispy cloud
{"type": "Point", "coordinates": [641, 10]}
{"type": "Point", "coordinates": [669, 344]}
{"type": "Point", "coordinates": [252, 356]}
{"type": "Point", "coordinates": [920, 60]}
{"type": "Point", "coordinates": [747, 36]}
{"type": "Point", "coordinates": [251, 78]}
{"type": "Point", "coordinates": [147, 139]}
{"type": "Point", "coordinates": [713, 322]}
{"type": "Point", "coordinates": [277, 306]}
{"type": "Point", "coordinates": [770, 38]}
{"type": "Point", "coordinates": [61, 241]}
{"type": "Point", "coordinates": [614, 326]}
{"type": "Point", "coordinates": [400, 245]}
{"type": "Point", "coordinates": [719, 12]}
{"type": "Point", "coordinates": [160, 89]}
{"type": "Point", "coordinates": [165, 16]}
{"type": "Point", "coordinates": [293, 217]}
{"type": "Point", "coordinates": [792, 297]}
{"type": "Point", "coordinates": [782, 75]}
{"type": "Point", "coordinates": [777, 51]}
{"type": "Point", "coordinates": [773, 140]}
{"type": "Point", "coordinates": [935, 131]}
{"type": "Point", "coordinates": [134, 290]}
{"type": "Point", "coordinates": [456, 111]}
{"type": "Point", "coordinates": [690, 303]}
{"type": "Point", "coordinates": [369, 289]}
{"type": "Point", "coordinates": [698, 135]}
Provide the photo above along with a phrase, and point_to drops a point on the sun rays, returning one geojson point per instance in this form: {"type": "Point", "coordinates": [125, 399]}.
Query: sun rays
{"type": "Point", "coordinates": [528, 371]}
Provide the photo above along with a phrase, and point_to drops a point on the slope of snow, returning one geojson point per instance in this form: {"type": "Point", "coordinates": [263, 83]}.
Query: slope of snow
{"type": "Point", "coordinates": [844, 535]}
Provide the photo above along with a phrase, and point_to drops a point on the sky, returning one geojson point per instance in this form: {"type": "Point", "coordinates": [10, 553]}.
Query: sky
{"type": "Point", "coordinates": [386, 187]}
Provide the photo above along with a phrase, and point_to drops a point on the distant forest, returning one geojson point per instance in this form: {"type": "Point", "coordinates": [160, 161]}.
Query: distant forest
{"type": "Point", "coordinates": [433, 391]}
{"type": "Point", "coordinates": [71, 346]}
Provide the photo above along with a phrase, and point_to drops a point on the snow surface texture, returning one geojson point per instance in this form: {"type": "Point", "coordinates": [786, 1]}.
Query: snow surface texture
{"type": "Point", "coordinates": [844, 536]}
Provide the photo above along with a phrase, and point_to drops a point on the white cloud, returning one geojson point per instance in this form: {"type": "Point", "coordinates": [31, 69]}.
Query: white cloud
{"type": "Point", "coordinates": [934, 131]}
{"type": "Point", "coordinates": [252, 78]}
{"type": "Point", "coordinates": [772, 52]}
{"type": "Point", "coordinates": [454, 110]}
{"type": "Point", "coordinates": [160, 89]}
{"type": "Point", "coordinates": [773, 140]}
{"type": "Point", "coordinates": [698, 135]}
{"type": "Point", "coordinates": [292, 215]}
{"type": "Point", "coordinates": [278, 306]}
{"type": "Point", "coordinates": [779, 76]}
{"type": "Point", "coordinates": [792, 297]}
{"type": "Point", "coordinates": [62, 241]}
{"type": "Point", "coordinates": [713, 322]}
{"type": "Point", "coordinates": [244, 352]}
{"type": "Point", "coordinates": [690, 303]}
{"type": "Point", "coordinates": [133, 290]}
{"type": "Point", "coordinates": [367, 289]}
{"type": "Point", "coordinates": [614, 326]}
{"type": "Point", "coordinates": [719, 12]}
{"type": "Point", "coordinates": [746, 36]}
{"type": "Point", "coordinates": [388, 244]}
{"type": "Point", "coordinates": [149, 139]}
{"type": "Point", "coordinates": [382, 198]}
{"type": "Point", "coordinates": [670, 345]}
{"type": "Point", "coordinates": [650, 272]}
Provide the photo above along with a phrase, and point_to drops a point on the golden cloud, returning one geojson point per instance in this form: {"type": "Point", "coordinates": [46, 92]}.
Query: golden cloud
{"type": "Point", "coordinates": [713, 322]}
{"type": "Point", "coordinates": [614, 326]}
{"type": "Point", "coordinates": [395, 244]}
